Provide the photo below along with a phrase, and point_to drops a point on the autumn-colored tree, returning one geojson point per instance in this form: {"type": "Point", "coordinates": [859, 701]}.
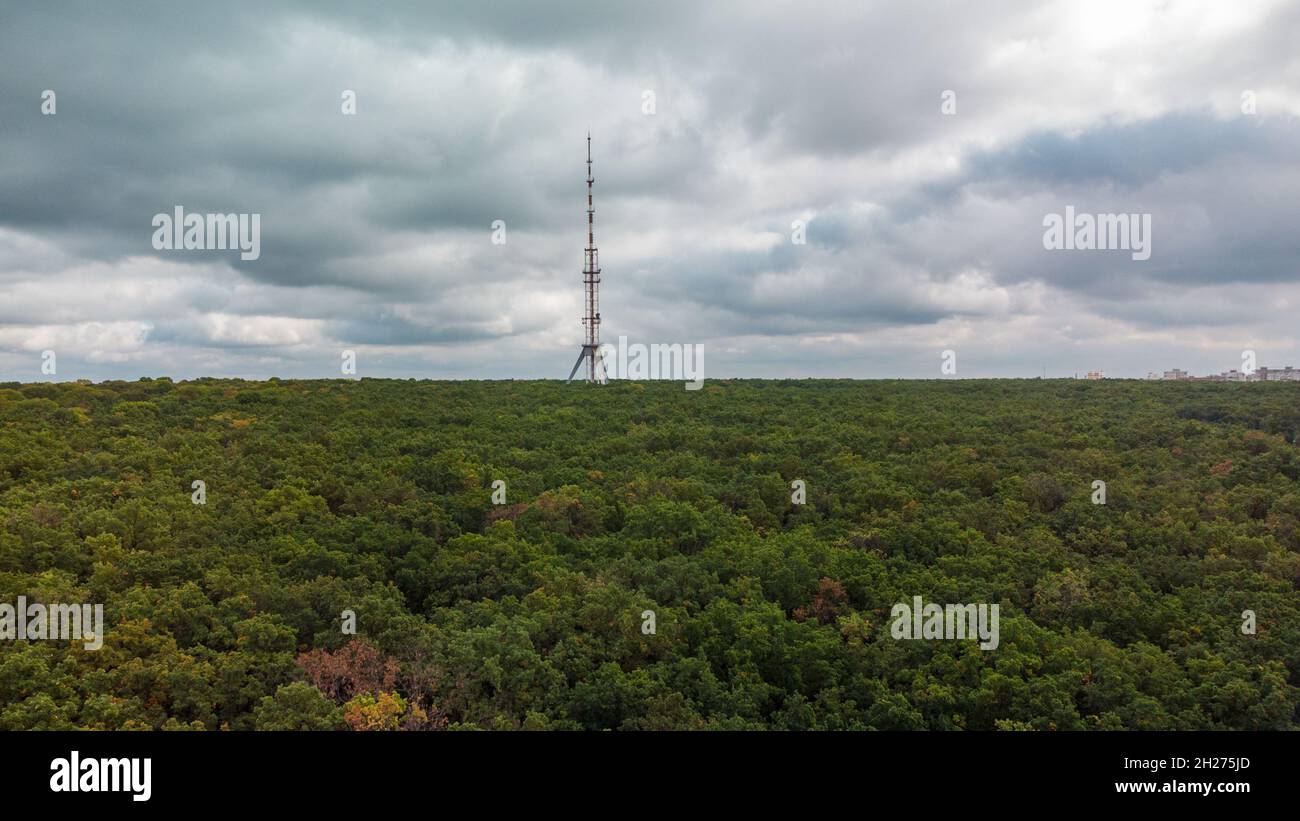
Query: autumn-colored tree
{"type": "Point", "coordinates": [354, 669]}
{"type": "Point", "coordinates": [381, 712]}
{"type": "Point", "coordinates": [826, 605]}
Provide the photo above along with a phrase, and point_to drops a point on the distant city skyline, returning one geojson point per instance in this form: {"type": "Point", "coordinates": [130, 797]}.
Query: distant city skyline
{"type": "Point", "coordinates": [1260, 374]}
{"type": "Point", "coordinates": [1044, 189]}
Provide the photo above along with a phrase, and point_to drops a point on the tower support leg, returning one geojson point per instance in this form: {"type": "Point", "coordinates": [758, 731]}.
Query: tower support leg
{"type": "Point", "coordinates": [591, 354]}
{"type": "Point", "coordinates": [577, 365]}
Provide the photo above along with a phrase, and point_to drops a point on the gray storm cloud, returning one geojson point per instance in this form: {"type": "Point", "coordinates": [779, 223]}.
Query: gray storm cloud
{"type": "Point", "coordinates": [924, 228]}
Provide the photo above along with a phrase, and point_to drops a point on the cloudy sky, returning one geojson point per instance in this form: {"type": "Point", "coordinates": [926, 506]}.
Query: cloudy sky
{"type": "Point", "coordinates": [716, 126]}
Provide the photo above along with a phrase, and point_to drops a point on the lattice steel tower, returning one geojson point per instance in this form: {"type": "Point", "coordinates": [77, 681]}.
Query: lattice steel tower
{"type": "Point", "coordinates": [591, 283]}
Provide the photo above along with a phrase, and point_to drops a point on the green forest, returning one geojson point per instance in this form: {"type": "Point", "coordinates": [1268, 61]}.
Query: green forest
{"type": "Point", "coordinates": [344, 564]}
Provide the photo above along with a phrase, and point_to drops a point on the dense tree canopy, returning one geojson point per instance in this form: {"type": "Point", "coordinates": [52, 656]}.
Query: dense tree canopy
{"type": "Point", "coordinates": [375, 497]}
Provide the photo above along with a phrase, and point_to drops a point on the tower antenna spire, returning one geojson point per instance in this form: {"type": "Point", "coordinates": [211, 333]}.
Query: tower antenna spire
{"type": "Point", "coordinates": [591, 285]}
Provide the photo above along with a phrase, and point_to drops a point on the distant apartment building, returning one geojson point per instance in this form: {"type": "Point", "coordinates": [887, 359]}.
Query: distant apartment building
{"type": "Point", "coordinates": [1286, 374]}
{"type": "Point", "coordinates": [1258, 375]}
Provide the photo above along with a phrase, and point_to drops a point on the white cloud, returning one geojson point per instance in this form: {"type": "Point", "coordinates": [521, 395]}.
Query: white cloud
{"type": "Point", "coordinates": [923, 228]}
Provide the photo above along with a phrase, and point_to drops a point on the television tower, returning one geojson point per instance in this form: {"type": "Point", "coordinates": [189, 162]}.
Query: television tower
{"type": "Point", "coordinates": [591, 283]}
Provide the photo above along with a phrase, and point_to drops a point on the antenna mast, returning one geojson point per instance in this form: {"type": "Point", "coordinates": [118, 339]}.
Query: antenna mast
{"type": "Point", "coordinates": [591, 285]}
